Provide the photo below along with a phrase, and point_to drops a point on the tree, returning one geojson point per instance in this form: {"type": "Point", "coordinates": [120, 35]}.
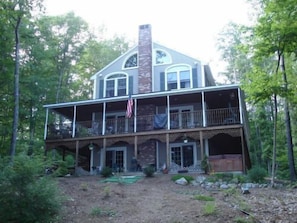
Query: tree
{"type": "Point", "coordinates": [16, 11]}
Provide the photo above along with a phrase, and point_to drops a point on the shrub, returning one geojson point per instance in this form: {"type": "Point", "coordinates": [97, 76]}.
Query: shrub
{"type": "Point", "coordinates": [178, 176]}
{"type": "Point", "coordinates": [257, 174]}
{"type": "Point", "coordinates": [209, 208]}
{"type": "Point", "coordinates": [149, 171]}
{"type": "Point", "coordinates": [106, 172]}
{"type": "Point", "coordinates": [28, 196]}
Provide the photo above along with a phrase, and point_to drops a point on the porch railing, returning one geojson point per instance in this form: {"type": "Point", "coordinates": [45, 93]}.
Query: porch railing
{"type": "Point", "coordinates": [122, 125]}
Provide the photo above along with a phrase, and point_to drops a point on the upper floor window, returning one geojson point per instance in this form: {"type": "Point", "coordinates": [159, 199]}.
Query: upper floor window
{"type": "Point", "coordinates": [131, 61]}
{"type": "Point", "coordinates": [161, 57]}
{"type": "Point", "coordinates": [178, 77]}
{"type": "Point", "coordinates": [116, 85]}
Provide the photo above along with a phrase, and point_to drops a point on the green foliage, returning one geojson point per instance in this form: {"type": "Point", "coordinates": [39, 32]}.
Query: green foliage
{"type": "Point", "coordinates": [243, 220]}
{"type": "Point", "coordinates": [257, 174]}
{"type": "Point", "coordinates": [100, 212]}
{"type": "Point", "coordinates": [209, 208]}
{"type": "Point", "coordinates": [26, 195]}
{"type": "Point", "coordinates": [178, 176]}
{"type": "Point", "coordinates": [205, 165]}
{"type": "Point", "coordinates": [203, 198]}
{"type": "Point", "coordinates": [62, 169]}
{"type": "Point", "coordinates": [106, 172]}
{"type": "Point", "coordinates": [149, 171]}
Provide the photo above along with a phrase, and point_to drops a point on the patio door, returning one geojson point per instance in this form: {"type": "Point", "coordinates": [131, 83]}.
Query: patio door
{"type": "Point", "coordinates": [183, 155]}
{"type": "Point", "coordinates": [115, 159]}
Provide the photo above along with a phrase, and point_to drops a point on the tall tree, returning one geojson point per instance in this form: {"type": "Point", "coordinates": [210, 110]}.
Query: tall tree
{"type": "Point", "coordinates": [16, 11]}
{"type": "Point", "coordinates": [276, 33]}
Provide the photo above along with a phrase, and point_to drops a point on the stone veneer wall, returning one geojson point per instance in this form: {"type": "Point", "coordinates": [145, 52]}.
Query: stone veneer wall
{"type": "Point", "coordinates": [145, 59]}
{"type": "Point", "coordinates": [147, 153]}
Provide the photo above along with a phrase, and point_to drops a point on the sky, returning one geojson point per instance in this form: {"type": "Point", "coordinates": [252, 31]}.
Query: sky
{"type": "Point", "coordinates": [188, 26]}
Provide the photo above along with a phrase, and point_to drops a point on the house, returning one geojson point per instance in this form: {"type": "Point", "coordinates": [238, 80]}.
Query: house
{"type": "Point", "coordinates": [176, 117]}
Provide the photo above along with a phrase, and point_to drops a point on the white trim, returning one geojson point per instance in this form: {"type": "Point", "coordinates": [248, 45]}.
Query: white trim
{"type": "Point", "coordinates": [178, 76]}
{"type": "Point", "coordinates": [115, 83]}
{"type": "Point", "coordinates": [193, 144]}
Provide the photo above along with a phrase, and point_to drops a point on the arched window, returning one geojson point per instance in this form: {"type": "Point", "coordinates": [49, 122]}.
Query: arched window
{"type": "Point", "coordinates": [162, 57]}
{"type": "Point", "coordinates": [131, 61]}
{"type": "Point", "coordinates": [178, 77]}
{"type": "Point", "coordinates": [116, 85]}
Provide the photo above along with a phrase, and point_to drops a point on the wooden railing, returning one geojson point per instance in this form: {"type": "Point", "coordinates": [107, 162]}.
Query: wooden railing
{"type": "Point", "coordinates": [122, 125]}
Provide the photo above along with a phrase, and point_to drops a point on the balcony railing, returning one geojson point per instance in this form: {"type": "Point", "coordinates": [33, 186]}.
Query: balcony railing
{"type": "Point", "coordinates": [122, 125]}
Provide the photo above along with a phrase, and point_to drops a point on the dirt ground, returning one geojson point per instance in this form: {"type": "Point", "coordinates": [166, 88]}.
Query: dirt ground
{"type": "Point", "coordinates": [160, 200]}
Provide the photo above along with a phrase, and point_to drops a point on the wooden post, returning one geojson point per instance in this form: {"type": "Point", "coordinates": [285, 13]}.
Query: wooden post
{"type": "Point", "coordinates": [167, 151]}
{"type": "Point", "coordinates": [76, 156]}
{"type": "Point", "coordinates": [135, 146]}
{"type": "Point", "coordinates": [242, 149]}
{"type": "Point", "coordinates": [201, 145]}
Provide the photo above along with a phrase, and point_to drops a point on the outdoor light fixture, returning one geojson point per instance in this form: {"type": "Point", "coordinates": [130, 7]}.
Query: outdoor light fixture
{"type": "Point", "coordinates": [91, 146]}
{"type": "Point", "coordinates": [185, 140]}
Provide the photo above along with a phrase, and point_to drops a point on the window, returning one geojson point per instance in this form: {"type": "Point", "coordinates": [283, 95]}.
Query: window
{"type": "Point", "coordinates": [178, 77]}
{"type": "Point", "coordinates": [131, 61]}
{"type": "Point", "coordinates": [116, 85]}
{"type": "Point", "coordinates": [161, 57]}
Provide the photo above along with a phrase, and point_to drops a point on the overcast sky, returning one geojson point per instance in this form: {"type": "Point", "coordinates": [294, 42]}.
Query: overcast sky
{"type": "Point", "coordinates": [188, 26]}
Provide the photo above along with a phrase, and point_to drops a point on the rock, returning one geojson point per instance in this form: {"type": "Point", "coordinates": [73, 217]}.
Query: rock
{"type": "Point", "coordinates": [181, 181]}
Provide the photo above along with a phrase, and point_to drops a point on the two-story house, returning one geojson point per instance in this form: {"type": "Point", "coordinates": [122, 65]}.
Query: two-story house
{"type": "Point", "coordinates": [156, 105]}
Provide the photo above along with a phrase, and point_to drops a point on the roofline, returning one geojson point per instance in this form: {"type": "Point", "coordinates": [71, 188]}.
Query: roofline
{"type": "Point", "coordinates": [118, 58]}
{"type": "Point", "coordinates": [142, 96]}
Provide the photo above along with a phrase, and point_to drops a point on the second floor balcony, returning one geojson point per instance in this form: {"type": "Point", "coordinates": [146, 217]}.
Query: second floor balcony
{"type": "Point", "coordinates": [119, 124]}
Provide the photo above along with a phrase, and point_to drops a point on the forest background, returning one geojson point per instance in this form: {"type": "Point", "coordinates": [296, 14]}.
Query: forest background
{"type": "Point", "coordinates": [50, 59]}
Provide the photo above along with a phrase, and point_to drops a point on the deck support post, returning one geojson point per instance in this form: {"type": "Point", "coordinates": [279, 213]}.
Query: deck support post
{"type": "Point", "coordinates": [167, 151]}
{"type": "Point", "coordinates": [242, 149]}
{"type": "Point", "coordinates": [76, 156]}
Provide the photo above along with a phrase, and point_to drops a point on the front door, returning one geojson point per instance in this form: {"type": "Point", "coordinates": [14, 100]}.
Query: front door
{"type": "Point", "coordinates": [183, 155]}
{"type": "Point", "coordinates": [115, 159]}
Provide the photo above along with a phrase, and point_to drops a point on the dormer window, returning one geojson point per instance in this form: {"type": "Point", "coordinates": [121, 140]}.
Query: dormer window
{"type": "Point", "coordinates": [131, 61]}
{"type": "Point", "coordinates": [178, 77]}
{"type": "Point", "coordinates": [116, 85]}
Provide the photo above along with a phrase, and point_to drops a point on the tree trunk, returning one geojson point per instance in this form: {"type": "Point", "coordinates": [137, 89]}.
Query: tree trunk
{"type": "Point", "coordinates": [16, 92]}
{"type": "Point", "coordinates": [274, 141]}
{"type": "Point", "coordinates": [288, 124]}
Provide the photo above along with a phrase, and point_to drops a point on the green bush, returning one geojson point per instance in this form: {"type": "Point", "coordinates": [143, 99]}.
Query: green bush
{"type": "Point", "coordinates": [106, 171]}
{"type": "Point", "coordinates": [178, 176]}
{"type": "Point", "coordinates": [149, 171]}
{"type": "Point", "coordinates": [25, 194]}
{"type": "Point", "coordinates": [257, 174]}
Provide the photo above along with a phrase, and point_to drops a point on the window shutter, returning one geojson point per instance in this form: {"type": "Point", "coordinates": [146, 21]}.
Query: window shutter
{"type": "Point", "coordinates": [130, 90]}
{"type": "Point", "coordinates": [162, 81]}
{"type": "Point", "coordinates": [195, 78]}
{"type": "Point", "coordinates": [101, 84]}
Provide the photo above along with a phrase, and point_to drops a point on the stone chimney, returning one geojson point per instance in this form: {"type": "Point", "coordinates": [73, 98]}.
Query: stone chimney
{"type": "Point", "coordinates": [145, 59]}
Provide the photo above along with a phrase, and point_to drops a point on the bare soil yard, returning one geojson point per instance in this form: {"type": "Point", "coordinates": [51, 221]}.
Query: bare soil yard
{"type": "Point", "coordinates": [160, 200]}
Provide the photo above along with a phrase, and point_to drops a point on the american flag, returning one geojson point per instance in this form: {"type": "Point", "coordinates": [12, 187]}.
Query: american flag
{"type": "Point", "coordinates": [129, 111]}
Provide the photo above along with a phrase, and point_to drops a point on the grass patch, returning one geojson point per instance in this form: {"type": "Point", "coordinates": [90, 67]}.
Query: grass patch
{"type": "Point", "coordinates": [203, 198]}
{"type": "Point", "coordinates": [99, 212]}
{"type": "Point", "coordinates": [209, 208]}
